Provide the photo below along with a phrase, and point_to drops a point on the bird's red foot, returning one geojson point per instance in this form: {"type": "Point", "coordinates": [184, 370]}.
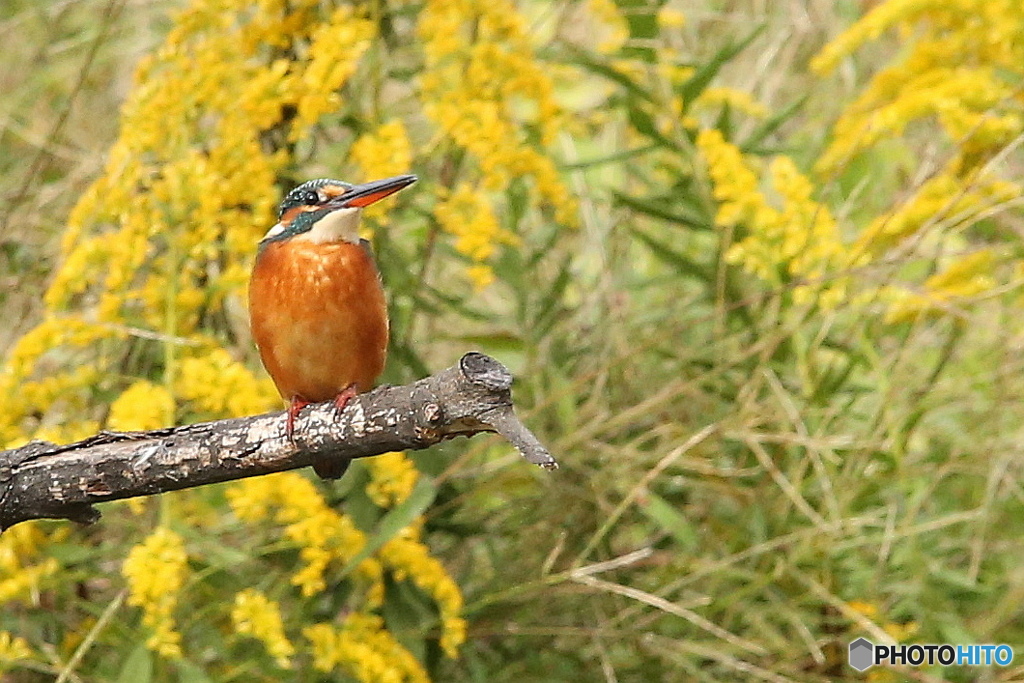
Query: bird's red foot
{"type": "Point", "coordinates": [296, 406]}
{"type": "Point", "coordinates": [344, 396]}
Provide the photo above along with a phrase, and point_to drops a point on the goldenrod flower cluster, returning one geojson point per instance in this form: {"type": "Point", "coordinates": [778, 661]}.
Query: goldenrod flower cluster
{"type": "Point", "coordinates": [143, 405]}
{"type": "Point", "coordinates": [962, 72]}
{"type": "Point", "coordinates": [796, 241]}
{"type": "Point", "coordinates": [954, 72]}
{"type": "Point", "coordinates": [955, 75]}
{"type": "Point", "coordinates": [382, 152]}
{"type": "Point", "coordinates": [22, 566]}
{"type": "Point", "coordinates": [26, 387]}
{"type": "Point", "coordinates": [257, 616]}
{"type": "Point", "coordinates": [12, 649]}
{"type": "Point", "coordinates": [941, 201]}
{"type": "Point", "coordinates": [365, 650]}
{"type": "Point", "coordinates": [964, 278]}
{"type": "Point", "coordinates": [334, 52]}
{"type": "Point", "coordinates": [467, 213]}
{"type": "Point", "coordinates": [156, 570]}
{"type": "Point", "coordinates": [613, 29]}
{"type": "Point", "coordinates": [392, 478]}
{"type": "Point", "coordinates": [486, 91]}
{"type": "Point", "coordinates": [328, 540]}
{"type": "Point", "coordinates": [216, 385]}
{"type": "Point", "coordinates": [409, 559]}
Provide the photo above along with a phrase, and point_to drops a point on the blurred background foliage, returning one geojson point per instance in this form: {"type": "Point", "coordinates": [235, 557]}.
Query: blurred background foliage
{"type": "Point", "coordinates": [755, 265]}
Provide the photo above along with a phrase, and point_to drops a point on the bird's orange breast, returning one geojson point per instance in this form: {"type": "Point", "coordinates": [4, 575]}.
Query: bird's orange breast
{"type": "Point", "coordinates": [319, 317]}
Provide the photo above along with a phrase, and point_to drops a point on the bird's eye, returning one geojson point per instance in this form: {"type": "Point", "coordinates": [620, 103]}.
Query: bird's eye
{"type": "Point", "coordinates": [312, 198]}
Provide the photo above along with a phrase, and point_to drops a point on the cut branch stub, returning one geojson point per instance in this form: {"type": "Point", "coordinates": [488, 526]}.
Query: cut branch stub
{"type": "Point", "coordinates": [44, 480]}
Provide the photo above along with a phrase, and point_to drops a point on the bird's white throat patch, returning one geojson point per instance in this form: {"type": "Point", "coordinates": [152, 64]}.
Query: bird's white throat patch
{"type": "Point", "coordinates": [274, 231]}
{"type": "Point", "coordinates": [337, 226]}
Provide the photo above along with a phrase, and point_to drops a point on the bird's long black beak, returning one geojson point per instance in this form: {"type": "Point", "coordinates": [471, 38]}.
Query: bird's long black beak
{"type": "Point", "coordinates": [368, 193]}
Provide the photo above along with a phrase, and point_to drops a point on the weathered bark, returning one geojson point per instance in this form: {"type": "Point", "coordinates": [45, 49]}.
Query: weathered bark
{"type": "Point", "coordinates": [44, 480]}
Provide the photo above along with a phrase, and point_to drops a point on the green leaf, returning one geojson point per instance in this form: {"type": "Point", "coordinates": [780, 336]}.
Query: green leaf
{"type": "Point", "coordinates": [581, 59]}
{"type": "Point", "coordinates": [358, 505]}
{"type": "Point", "coordinates": [673, 258]}
{"type": "Point", "coordinates": [405, 611]}
{"type": "Point", "coordinates": [517, 201]}
{"type": "Point", "coordinates": [666, 516]}
{"type": "Point", "coordinates": [649, 208]}
{"type": "Point", "coordinates": [956, 579]}
{"type": "Point", "coordinates": [752, 145]}
{"type": "Point", "coordinates": [401, 516]}
{"type": "Point", "coordinates": [191, 673]}
{"type": "Point", "coordinates": [644, 124]}
{"type": "Point", "coordinates": [725, 122]}
{"type": "Point", "coordinates": [610, 158]}
{"type": "Point", "coordinates": [549, 312]}
{"type": "Point", "coordinates": [138, 668]}
{"type": "Point", "coordinates": [696, 84]}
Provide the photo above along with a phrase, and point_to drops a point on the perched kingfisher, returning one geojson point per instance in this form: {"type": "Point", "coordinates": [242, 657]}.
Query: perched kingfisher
{"type": "Point", "coordinates": [316, 304]}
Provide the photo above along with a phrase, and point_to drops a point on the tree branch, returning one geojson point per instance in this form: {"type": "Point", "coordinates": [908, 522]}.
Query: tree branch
{"type": "Point", "coordinates": [44, 480]}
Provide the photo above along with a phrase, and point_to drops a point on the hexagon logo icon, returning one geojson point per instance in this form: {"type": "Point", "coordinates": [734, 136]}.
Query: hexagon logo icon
{"type": "Point", "coordinates": [861, 654]}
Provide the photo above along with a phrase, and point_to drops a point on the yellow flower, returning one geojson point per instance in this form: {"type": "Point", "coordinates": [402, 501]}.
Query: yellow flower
{"type": "Point", "coordinates": [142, 406]}
{"type": "Point", "coordinates": [410, 560]}
{"type": "Point", "coordinates": [481, 276]}
{"type": "Point", "coordinates": [326, 538]}
{"type": "Point", "coordinates": [255, 615]}
{"type": "Point", "coordinates": [364, 650]}
{"type": "Point", "coordinates": [798, 240]}
{"type": "Point", "coordinates": [155, 570]}
{"type": "Point", "coordinates": [219, 386]}
{"type": "Point", "coordinates": [467, 214]}
{"type": "Point", "coordinates": [952, 71]}
{"type": "Point", "coordinates": [614, 31]}
{"type": "Point", "coordinates": [868, 609]}
{"type": "Point", "coordinates": [901, 632]}
{"type": "Point", "coordinates": [334, 53]}
{"type": "Point", "coordinates": [13, 648]}
{"type": "Point", "coordinates": [669, 17]}
{"type": "Point", "coordinates": [965, 278]}
{"type": "Point", "coordinates": [382, 153]}
{"type": "Point", "coordinates": [392, 478]}
{"type": "Point", "coordinates": [26, 389]}
{"type": "Point", "coordinates": [22, 567]}
{"type": "Point", "coordinates": [485, 91]}
{"type": "Point", "coordinates": [948, 198]}
{"type": "Point", "coordinates": [737, 99]}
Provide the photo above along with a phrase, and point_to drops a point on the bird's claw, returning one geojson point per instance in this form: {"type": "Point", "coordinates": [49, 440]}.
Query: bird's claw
{"type": "Point", "coordinates": [344, 396]}
{"type": "Point", "coordinates": [296, 406]}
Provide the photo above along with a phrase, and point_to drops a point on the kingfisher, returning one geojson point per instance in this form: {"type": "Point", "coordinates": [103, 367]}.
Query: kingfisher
{"type": "Point", "coordinates": [316, 304]}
